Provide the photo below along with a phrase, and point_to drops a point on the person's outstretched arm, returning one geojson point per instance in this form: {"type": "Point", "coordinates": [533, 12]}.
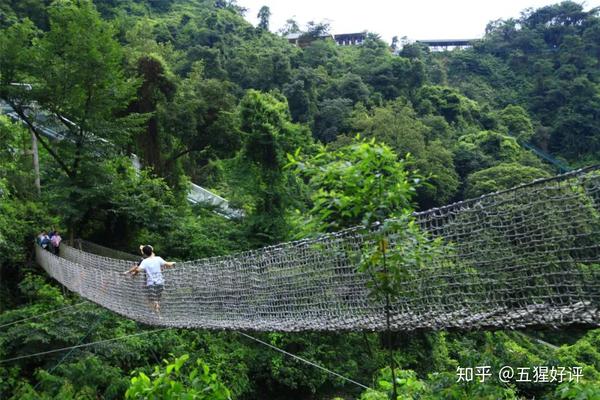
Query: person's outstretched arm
{"type": "Point", "coordinates": [133, 270]}
{"type": "Point", "coordinates": [166, 264]}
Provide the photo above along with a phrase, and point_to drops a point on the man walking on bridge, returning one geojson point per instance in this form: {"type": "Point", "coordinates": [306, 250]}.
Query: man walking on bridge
{"type": "Point", "coordinates": [153, 266]}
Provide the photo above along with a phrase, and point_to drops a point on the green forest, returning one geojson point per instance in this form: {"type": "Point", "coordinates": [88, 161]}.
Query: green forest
{"type": "Point", "coordinates": [289, 135]}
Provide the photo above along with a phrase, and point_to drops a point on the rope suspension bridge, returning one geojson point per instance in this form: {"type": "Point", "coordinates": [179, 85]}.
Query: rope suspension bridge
{"type": "Point", "coordinates": [524, 257]}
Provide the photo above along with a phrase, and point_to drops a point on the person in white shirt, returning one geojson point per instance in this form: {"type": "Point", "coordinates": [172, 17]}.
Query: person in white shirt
{"type": "Point", "coordinates": [153, 266]}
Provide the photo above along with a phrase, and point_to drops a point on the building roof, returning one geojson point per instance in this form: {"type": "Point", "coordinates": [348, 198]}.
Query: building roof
{"type": "Point", "coordinates": [351, 34]}
{"type": "Point", "coordinates": [293, 36]}
{"type": "Point", "coordinates": [447, 42]}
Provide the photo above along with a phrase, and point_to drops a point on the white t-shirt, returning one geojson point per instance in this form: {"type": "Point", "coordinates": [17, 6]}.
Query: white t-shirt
{"type": "Point", "coordinates": [152, 266]}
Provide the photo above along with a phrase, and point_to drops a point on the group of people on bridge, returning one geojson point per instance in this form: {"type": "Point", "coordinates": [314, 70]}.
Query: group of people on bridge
{"type": "Point", "coordinates": [149, 263]}
{"type": "Point", "coordinates": [49, 241]}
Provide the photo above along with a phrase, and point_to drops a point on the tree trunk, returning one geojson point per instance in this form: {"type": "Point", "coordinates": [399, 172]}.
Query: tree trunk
{"type": "Point", "coordinates": [149, 142]}
{"type": "Point", "coordinates": [36, 163]}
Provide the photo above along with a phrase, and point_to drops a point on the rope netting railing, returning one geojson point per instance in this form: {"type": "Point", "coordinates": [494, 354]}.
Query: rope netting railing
{"type": "Point", "coordinates": [90, 247]}
{"type": "Point", "coordinates": [528, 256]}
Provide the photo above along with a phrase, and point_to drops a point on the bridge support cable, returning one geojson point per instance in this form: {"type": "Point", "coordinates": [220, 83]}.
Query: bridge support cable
{"type": "Point", "coordinates": [304, 360]}
{"type": "Point", "coordinates": [92, 328]}
{"type": "Point", "coordinates": [79, 346]}
{"type": "Point", "coordinates": [43, 314]}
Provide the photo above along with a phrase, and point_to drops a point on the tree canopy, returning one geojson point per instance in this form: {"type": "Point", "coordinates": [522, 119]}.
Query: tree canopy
{"type": "Point", "coordinates": [303, 138]}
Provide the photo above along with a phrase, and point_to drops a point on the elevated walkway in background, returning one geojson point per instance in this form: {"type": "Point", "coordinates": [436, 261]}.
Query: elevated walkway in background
{"type": "Point", "coordinates": [199, 195]}
{"type": "Point", "coordinates": [559, 165]}
{"type": "Point", "coordinates": [47, 125]}
{"type": "Point", "coordinates": [447, 44]}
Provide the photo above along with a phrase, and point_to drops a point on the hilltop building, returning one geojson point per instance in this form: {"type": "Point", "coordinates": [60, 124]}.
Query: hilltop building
{"type": "Point", "coordinates": [343, 39]}
{"type": "Point", "coordinates": [301, 39]}
{"type": "Point", "coordinates": [447, 44]}
{"type": "Point", "coordinates": [350, 39]}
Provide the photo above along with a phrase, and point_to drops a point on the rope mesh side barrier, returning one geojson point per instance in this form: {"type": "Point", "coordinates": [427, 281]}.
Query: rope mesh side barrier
{"type": "Point", "coordinates": [528, 256]}
{"type": "Point", "coordinates": [103, 251]}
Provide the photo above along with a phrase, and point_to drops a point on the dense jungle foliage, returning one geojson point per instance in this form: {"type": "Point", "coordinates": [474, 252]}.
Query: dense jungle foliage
{"type": "Point", "coordinates": [201, 95]}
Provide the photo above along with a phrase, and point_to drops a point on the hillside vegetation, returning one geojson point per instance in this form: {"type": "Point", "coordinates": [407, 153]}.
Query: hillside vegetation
{"type": "Point", "coordinates": [201, 95]}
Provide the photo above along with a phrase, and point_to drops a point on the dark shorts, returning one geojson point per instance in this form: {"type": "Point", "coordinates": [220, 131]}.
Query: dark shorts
{"type": "Point", "coordinates": [154, 292]}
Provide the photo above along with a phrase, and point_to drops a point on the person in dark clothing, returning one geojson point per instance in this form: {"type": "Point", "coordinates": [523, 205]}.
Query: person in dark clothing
{"type": "Point", "coordinates": [43, 240]}
{"type": "Point", "coordinates": [55, 241]}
